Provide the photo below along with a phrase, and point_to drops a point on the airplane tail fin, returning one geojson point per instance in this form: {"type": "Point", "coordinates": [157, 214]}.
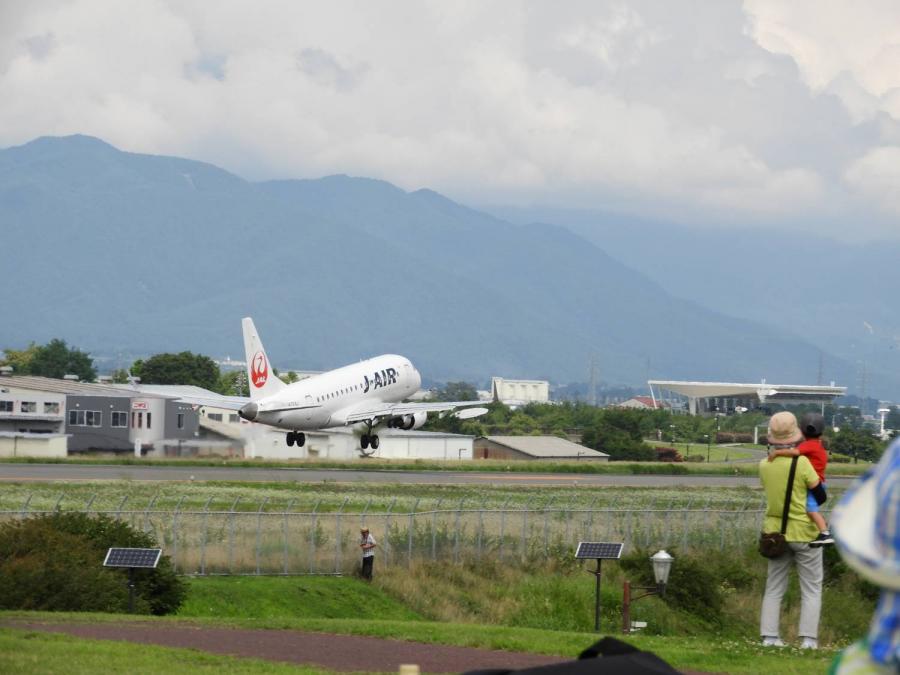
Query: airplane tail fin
{"type": "Point", "coordinates": [263, 381]}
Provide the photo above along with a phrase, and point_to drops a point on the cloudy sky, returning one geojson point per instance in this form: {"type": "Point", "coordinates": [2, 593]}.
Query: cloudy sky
{"type": "Point", "coordinates": [714, 112]}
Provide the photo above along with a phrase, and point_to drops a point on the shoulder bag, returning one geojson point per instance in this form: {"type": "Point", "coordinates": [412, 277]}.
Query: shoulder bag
{"type": "Point", "coordinates": [773, 544]}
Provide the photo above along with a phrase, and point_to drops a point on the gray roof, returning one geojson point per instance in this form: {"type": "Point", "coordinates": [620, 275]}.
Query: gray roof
{"type": "Point", "coordinates": [72, 387]}
{"type": "Point", "coordinates": [546, 446]}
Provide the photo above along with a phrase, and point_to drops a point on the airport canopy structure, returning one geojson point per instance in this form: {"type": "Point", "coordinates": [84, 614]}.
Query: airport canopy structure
{"type": "Point", "coordinates": [727, 396]}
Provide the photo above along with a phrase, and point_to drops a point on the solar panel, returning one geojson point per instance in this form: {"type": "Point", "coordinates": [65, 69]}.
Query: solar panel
{"type": "Point", "coordinates": [132, 557]}
{"type": "Point", "coordinates": [600, 550]}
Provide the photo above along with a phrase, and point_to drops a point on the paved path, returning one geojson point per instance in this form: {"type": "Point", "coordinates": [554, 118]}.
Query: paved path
{"type": "Point", "coordinates": [335, 652]}
{"type": "Point", "coordinates": [75, 472]}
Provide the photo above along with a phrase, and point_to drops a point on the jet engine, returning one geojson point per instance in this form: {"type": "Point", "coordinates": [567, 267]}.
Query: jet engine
{"type": "Point", "coordinates": [408, 422]}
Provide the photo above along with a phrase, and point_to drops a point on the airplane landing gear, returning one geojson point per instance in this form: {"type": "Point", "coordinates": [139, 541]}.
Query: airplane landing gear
{"type": "Point", "coordinates": [297, 437]}
{"type": "Point", "coordinates": [367, 440]}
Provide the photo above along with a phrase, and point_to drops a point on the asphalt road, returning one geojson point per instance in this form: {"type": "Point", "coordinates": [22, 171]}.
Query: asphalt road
{"type": "Point", "coordinates": [82, 472]}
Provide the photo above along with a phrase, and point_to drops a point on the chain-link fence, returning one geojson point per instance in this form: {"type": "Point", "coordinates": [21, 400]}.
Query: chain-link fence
{"type": "Point", "coordinates": [265, 538]}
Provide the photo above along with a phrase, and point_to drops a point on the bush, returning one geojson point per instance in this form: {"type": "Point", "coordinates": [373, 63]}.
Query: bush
{"type": "Point", "coordinates": [692, 587]}
{"type": "Point", "coordinates": [666, 454]}
{"type": "Point", "coordinates": [55, 563]}
{"type": "Point", "coordinates": [734, 437]}
{"type": "Point", "coordinates": [696, 457]}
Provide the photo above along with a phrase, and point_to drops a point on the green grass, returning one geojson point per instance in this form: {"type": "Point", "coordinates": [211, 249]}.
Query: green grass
{"type": "Point", "coordinates": [295, 597]}
{"type": "Point", "coordinates": [712, 654]}
{"type": "Point", "coordinates": [329, 496]}
{"type": "Point", "coordinates": [25, 651]}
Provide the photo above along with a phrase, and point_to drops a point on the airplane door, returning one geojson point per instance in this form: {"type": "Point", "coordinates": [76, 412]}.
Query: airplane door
{"type": "Point", "coordinates": [309, 409]}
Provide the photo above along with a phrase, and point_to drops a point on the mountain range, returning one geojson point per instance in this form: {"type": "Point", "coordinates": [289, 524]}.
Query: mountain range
{"type": "Point", "coordinates": [129, 254]}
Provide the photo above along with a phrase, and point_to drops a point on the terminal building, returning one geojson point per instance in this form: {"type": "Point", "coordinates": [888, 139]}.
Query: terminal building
{"type": "Point", "coordinates": [707, 398]}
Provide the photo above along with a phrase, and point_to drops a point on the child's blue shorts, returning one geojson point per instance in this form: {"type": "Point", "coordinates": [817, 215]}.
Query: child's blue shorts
{"type": "Point", "coordinates": [812, 506]}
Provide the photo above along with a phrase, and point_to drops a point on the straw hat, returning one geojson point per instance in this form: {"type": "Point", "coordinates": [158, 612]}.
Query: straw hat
{"type": "Point", "coordinates": [783, 429]}
{"type": "Point", "coordinates": [866, 522]}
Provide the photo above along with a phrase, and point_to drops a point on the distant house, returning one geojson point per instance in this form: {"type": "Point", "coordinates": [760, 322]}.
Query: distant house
{"type": "Point", "coordinates": [642, 403]}
{"type": "Point", "coordinates": [533, 447]}
{"type": "Point", "coordinates": [517, 393]}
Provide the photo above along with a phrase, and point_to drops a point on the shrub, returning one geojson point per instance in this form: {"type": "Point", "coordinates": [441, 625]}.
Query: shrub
{"type": "Point", "coordinates": [55, 563]}
{"type": "Point", "coordinates": [666, 454]}
{"type": "Point", "coordinates": [692, 587]}
{"type": "Point", "coordinates": [696, 457]}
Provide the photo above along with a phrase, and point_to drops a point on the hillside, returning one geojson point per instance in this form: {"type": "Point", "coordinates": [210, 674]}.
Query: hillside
{"type": "Point", "coordinates": [124, 253]}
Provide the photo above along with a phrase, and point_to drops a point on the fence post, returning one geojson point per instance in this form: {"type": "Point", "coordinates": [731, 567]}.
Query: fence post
{"type": "Point", "coordinates": [121, 506]}
{"type": "Point", "coordinates": [231, 515]}
{"type": "Point", "coordinates": [175, 534]}
{"type": "Point", "coordinates": [588, 528]}
{"type": "Point", "coordinates": [56, 505]}
{"type": "Point", "coordinates": [387, 530]}
{"type": "Point", "coordinates": [203, 538]}
{"type": "Point", "coordinates": [546, 523]}
{"type": "Point", "coordinates": [434, 528]}
{"type": "Point", "coordinates": [147, 512]}
{"type": "Point", "coordinates": [687, 515]}
{"type": "Point", "coordinates": [312, 537]}
{"type": "Point", "coordinates": [412, 513]}
{"type": "Point", "coordinates": [456, 533]}
{"type": "Point", "coordinates": [259, 531]}
{"type": "Point", "coordinates": [87, 507]}
{"type": "Point", "coordinates": [25, 505]}
{"type": "Point", "coordinates": [338, 539]}
{"type": "Point", "coordinates": [480, 527]}
{"type": "Point", "coordinates": [525, 527]}
{"type": "Point", "coordinates": [284, 532]}
{"type": "Point", "coordinates": [502, 527]}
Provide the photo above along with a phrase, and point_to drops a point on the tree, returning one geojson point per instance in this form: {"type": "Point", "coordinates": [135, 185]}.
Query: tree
{"type": "Point", "coordinates": [892, 421]}
{"type": "Point", "coordinates": [456, 391]}
{"type": "Point", "coordinates": [19, 360]}
{"type": "Point", "coordinates": [55, 359]}
{"type": "Point", "coordinates": [181, 368]}
{"type": "Point", "coordinates": [856, 443]}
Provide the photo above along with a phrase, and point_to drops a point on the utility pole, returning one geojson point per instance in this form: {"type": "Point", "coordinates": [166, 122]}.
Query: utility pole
{"type": "Point", "coordinates": [592, 394]}
{"type": "Point", "coordinates": [820, 373]}
{"type": "Point", "coordinates": [863, 383]}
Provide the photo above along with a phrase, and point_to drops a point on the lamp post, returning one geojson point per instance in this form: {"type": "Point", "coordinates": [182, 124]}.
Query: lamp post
{"type": "Point", "coordinates": [708, 443]}
{"type": "Point", "coordinates": [672, 428]}
{"type": "Point", "coordinates": [662, 565]}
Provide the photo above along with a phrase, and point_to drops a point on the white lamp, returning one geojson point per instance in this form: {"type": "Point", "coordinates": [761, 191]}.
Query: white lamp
{"type": "Point", "coordinates": [662, 565]}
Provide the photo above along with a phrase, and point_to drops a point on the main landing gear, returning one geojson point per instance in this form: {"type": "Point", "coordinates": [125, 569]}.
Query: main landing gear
{"type": "Point", "coordinates": [297, 437]}
{"type": "Point", "coordinates": [367, 440]}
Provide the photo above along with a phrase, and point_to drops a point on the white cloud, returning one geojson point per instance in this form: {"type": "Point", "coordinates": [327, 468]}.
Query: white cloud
{"type": "Point", "coordinates": [644, 104]}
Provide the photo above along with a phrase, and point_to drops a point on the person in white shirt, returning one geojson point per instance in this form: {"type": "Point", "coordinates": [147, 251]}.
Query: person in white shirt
{"type": "Point", "coordinates": [367, 544]}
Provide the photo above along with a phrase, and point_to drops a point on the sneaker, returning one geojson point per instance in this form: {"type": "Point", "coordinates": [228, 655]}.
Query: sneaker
{"type": "Point", "coordinates": [824, 539]}
{"type": "Point", "coordinates": [809, 643]}
{"type": "Point", "coordinates": [769, 641]}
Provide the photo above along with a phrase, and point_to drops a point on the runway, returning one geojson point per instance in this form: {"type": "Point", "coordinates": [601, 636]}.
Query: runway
{"type": "Point", "coordinates": [104, 472]}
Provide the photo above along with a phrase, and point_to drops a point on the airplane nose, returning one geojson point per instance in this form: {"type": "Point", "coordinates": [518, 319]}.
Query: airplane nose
{"type": "Point", "coordinates": [249, 412]}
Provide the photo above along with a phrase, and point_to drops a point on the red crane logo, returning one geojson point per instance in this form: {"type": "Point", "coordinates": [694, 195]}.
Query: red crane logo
{"type": "Point", "coordinates": [259, 370]}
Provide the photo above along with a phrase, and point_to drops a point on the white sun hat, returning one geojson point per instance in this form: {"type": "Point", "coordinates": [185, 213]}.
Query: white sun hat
{"type": "Point", "coordinates": [866, 522]}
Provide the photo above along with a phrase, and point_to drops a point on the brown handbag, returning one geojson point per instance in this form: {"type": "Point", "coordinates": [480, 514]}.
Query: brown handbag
{"type": "Point", "coordinates": [773, 544]}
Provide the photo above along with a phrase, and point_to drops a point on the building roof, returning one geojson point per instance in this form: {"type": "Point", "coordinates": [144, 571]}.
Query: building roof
{"type": "Point", "coordinates": [72, 387]}
{"type": "Point", "coordinates": [645, 400]}
{"type": "Point", "coordinates": [548, 447]}
{"type": "Point", "coordinates": [762, 390]}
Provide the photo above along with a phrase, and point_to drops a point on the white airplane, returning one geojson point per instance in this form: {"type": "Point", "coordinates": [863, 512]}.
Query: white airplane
{"type": "Point", "coordinates": [365, 395]}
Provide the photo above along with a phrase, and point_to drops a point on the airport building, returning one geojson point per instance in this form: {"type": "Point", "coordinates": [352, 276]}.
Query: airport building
{"type": "Point", "coordinates": [534, 448]}
{"type": "Point", "coordinates": [728, 397]}
{"type": "Point", "coordinates": [516, 393]}
{"type": "Point", "coordinates": [41, 412]}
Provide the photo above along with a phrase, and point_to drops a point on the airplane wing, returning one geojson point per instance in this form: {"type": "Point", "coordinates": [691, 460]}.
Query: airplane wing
{"type": "Point", "coordinates": [377, 411]}
{"type": "Point", "coordinates": [226, 402]}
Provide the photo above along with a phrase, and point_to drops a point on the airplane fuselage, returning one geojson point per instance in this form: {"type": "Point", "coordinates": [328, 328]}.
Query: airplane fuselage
{"type": "Point", "coordinates": [327, 399]}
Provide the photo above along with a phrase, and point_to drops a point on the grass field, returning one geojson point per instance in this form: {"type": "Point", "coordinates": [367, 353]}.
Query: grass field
{"type": "Point", "coordinates": [481, 465]}
{"type": "Point", "coordinates": [540, 607]}
{"type": "Point", "coordinates": [32, 652]}
{"type": "Point", "coordinates": [26, 652]}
